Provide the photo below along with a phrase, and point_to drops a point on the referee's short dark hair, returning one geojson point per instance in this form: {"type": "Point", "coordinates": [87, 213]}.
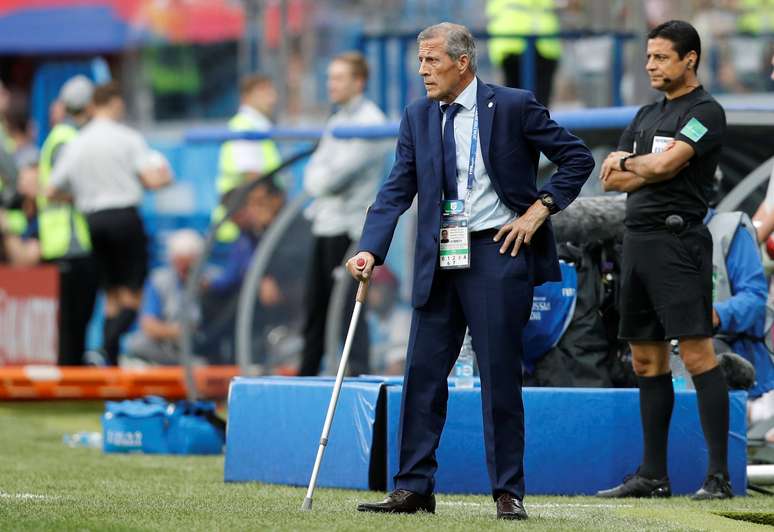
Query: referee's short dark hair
{"type": "Point", "coordinates": [684, 38]}
{"type": "Point", "coordinates": [252, 81]}
{"type": "Point", "coordinates": [104, 93]}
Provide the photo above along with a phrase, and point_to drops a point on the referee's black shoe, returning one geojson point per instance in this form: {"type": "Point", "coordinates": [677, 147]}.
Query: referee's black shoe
{"type": "Point", "coordinates": [715, 487]}
{"type": "Point", "coordinates": [639, 486]}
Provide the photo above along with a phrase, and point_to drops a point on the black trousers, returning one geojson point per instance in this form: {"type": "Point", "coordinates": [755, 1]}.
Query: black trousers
{"type": "Point", "coordinates": [544, 75]}
{"type": "Point", "coordinates": [78, 283]}
{"type": "Point", "coordinates": [329, 253]}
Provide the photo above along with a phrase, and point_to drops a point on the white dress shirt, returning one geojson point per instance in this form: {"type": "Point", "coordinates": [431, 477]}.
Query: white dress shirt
{"type": "Point", "coordinates": [486, 210]}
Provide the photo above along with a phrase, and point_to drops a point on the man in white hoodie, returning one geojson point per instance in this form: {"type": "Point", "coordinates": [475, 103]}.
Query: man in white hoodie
{"type": "Point", "coordinates": [342, 176]}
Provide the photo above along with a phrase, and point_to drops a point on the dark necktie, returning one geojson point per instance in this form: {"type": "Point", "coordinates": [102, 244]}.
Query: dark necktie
{"type": "Point", "coordinates": [449, 151]}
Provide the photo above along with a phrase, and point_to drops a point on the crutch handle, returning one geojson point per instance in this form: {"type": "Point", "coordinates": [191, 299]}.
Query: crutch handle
{"type": "Point", "coordinates": [362, 291]}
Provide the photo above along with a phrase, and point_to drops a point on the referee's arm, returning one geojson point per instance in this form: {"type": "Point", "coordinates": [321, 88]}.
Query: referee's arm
{"type": "Point", "coordinates": [645, 169]}
{"type": "Point", "coordinates": [655, 167]}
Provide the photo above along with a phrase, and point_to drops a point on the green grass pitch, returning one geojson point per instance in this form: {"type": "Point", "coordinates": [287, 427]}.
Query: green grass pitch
{"type": "Point", "coordinates": [45, 485]}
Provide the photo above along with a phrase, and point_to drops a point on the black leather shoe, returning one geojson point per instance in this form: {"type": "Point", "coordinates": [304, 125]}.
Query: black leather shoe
{"type": "Point", "coordinates": [401, 502]}
{"type": "Point", "coordinates": [715, 487]}
{"type": "Point", "coordinates": [637, 486]}
{"type": "Point", "coordinates": [509, 507]}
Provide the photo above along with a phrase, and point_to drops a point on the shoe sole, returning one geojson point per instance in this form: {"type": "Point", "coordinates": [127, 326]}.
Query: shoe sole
{"type": "Point", "coordinates": [513, 517]}
{"type": "Point", "coordinates": [653, 495]}
{"type": "Point", "coordinates": [389, 511]}
{"type": "Point", "coordinates": [712, 498]}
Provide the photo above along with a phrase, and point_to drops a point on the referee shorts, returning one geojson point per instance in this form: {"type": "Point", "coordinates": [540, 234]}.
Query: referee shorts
{"type": "Point", "coordinates": [120, 247]}
{"type": "Point", "coordinates": [666, 285]}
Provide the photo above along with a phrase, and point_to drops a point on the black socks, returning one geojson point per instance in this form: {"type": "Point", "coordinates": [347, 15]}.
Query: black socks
{"type": "Point", "coordinates": [657, 398]}
{"type": "Point", "coordinates": [712, 396]}
{"type": "Point", "coordinates": [112, 331]}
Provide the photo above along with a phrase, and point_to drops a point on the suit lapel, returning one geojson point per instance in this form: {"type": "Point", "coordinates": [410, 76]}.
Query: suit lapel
{"type": "Point", "coordinates": [486, 110]}
{"type": "Point", "coordinates": [435, 140]}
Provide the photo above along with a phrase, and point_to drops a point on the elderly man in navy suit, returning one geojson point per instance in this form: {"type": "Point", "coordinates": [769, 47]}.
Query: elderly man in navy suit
{"type": "Point", "coordinates": [469, 152]}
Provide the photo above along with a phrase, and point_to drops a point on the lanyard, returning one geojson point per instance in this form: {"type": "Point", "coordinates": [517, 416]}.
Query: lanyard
{"type": "Point", "coordinates": [472, 159]}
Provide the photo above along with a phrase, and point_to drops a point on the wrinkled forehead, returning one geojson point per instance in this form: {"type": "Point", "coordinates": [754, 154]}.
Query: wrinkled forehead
{"type": "Point", "coordinates": [434, 47]}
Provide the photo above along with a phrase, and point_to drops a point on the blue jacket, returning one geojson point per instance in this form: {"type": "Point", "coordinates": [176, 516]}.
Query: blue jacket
{"type": "Point", "coordinates": [745, 312]}
{"type": "Point", "coordinates": [513, 129]}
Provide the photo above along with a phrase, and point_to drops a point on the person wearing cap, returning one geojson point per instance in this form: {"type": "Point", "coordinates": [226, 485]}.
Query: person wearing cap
{"type": "Point", "coordinates": [61, 233]}
{"type": "Point", "coordinates": [105, 169]}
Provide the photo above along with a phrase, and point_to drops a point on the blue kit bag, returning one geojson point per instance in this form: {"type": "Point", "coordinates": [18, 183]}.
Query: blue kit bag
{"type": "Point", "coordinates": [553, 306]}
{"type": "Point", "coordinates": [154, 426]}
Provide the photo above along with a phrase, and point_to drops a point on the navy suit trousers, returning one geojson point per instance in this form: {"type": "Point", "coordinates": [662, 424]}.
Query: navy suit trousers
{"type": "Point", "coordinates": [494, 298]}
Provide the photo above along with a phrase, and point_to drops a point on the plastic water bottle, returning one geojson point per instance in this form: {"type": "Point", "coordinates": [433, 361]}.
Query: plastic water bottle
{"type": "Point", "coordinates": [90, 440]}
{"type": "Point", "coordinates": [463, 368]}
{"type": "Point", "coordinates": [680, 377]}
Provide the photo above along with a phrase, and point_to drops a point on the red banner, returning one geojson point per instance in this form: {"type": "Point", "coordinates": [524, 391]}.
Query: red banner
{"type": "Point", "coordinates": [29, 303]}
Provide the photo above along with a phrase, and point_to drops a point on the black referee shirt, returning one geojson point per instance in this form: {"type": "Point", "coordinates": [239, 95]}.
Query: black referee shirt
{"type": "Point", "coordinates": [695, 118]}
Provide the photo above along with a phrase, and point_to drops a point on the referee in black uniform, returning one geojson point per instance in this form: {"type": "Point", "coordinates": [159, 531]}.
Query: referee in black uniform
{"type": "Point", "coordinates": [666, 163]}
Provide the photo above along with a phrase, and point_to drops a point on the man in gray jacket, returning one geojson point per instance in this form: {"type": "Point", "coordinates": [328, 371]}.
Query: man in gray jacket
{"type": "Point", "coordinates": [342, 176]}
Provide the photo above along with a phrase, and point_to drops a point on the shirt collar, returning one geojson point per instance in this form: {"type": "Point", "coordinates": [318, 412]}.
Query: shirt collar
{"type": "Point", "coordinates": [467, 98]}
{"type": "Point", "coordinates": [352, 104]}
{"type": "Point", "coordinates": [688, 95]}
{"type": "Point", "coordinates": [253, 113]}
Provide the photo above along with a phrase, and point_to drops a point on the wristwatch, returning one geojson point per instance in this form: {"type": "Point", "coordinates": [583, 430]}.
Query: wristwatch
{"type": "Point", "coordinates": [548, 200]}
{"type": "Point", "coordinates": [622, 162]}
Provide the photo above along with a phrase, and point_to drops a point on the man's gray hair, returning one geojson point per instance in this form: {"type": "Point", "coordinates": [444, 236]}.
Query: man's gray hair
{"type": "Point", "coordinates": [459, 40]}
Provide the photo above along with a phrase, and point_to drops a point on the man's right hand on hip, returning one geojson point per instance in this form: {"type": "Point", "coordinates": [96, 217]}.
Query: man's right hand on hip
{"type": "Point", "coordinates": [361, 265]}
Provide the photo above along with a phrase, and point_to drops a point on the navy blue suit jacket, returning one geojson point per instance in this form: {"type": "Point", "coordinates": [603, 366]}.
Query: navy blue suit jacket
{"type": "Point", "coordinates": [513, 129]}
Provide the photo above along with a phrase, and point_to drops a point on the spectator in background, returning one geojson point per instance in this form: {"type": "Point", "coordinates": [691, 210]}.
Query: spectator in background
{"type": "Point", "coordinates": [388, 320]}
{"type": "Point", "coordinates": [7, 165]}
{"type": "Point", "coordinates": [740, 292]}
{"type": "Point", "coordinates": [105, 170]}
{"type": "Point", "coordinates": [246, 160]}
{"type": "Point", "coordinates": [525, 17]}
{"type": "Point", "coordinates": [764, 216]}
{"type": "Point", "coordinates": [342, 177]}
{"type": "Point", "coordinates": [158, 339]}
{"type": "Point", "coordinates": [21, 133]}
{"type": "Point", "coordinates": [221, 289]}
{"type": "Point", "coordinates": [62, 231]}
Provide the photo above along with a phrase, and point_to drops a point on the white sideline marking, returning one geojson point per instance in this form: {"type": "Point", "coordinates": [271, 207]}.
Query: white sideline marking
{"type": "Point", "coordinates": [540, 505]}
{"type": "Point", "coordinates": [24, 496]}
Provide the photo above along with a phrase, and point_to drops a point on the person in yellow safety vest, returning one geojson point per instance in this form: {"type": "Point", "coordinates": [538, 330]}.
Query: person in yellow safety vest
{"type": "Point", "coordinates": [524, 17]}
{"type": "Point", "coordinates": [63, 232]}
{"type": "Point", "coordinates": [755, 16]}
{"type": "Point", "coordinates": [244, 160]}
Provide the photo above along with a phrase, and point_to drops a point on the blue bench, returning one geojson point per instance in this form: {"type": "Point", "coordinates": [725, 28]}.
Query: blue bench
{"type": "Point", "coordinates": [578, 440]}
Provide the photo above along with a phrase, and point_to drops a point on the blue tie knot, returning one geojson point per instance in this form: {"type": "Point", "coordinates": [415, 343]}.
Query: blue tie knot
{"type": "Point", "coordinates": [450, 109]}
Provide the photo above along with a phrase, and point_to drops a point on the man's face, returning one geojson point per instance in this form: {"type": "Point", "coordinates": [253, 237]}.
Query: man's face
{"type": "Point", "coordinates": [183, 263]}
{"type": "Point", "coordinates": [440, 73]}
{"type": "Point", "coordinates": [262, 208]}
{"type": "Point", "coordinates": [117, 108]}
{"type": "Point", "coordinates": [664, 66]}
{"type": "Point", "coordinates": [343, 85]}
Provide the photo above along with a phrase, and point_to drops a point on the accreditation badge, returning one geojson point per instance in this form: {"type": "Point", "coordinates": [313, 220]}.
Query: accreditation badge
{"type": "Point", "coordinates": [455, 236]}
